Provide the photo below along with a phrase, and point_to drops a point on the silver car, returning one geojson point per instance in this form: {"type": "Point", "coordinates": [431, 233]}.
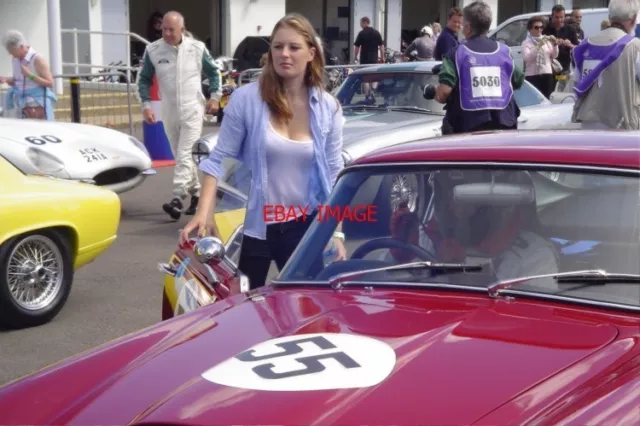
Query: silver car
{"type": "Point", "coordinates": [398, 113]}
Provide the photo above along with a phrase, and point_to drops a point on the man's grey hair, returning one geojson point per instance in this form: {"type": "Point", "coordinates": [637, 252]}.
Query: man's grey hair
{"type": "Point", "coordinates": [479, 16]}
{"type": "Point", "coordinates": [13, 38]}
{"type": "Point", "coordinates": [623, 10]}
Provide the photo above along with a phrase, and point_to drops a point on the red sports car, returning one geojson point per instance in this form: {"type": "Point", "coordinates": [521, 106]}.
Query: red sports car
{"type": "Point", "coordinates": [512, 296]}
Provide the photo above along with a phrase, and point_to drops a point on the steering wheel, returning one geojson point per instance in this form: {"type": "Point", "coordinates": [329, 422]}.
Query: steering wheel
{"type": "Point", "coordinates": [391, 243]}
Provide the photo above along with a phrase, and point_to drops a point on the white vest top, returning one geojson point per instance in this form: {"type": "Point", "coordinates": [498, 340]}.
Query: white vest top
{"type": "Point", "coordinates": [20, 78]}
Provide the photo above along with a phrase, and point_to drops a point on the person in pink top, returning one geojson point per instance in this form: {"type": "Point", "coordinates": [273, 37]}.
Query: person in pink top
{"type": "Point", "coordinates": [538, 53]}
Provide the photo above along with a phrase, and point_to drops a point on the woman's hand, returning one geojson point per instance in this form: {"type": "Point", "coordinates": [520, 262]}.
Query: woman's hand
{"type": "Point", "coordinates": [342, 251]}
{"type": "Point", "coordinates": [204, 224]}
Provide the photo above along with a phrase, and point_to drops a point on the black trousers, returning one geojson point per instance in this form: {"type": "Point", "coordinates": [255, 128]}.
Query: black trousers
{"type": "Point", "coordinates": [545, 83]}
{"type": "Point", "coordinates": [282, 239]}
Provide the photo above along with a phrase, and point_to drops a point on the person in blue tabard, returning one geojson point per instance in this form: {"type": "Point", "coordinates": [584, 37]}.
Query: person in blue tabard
{"type": "Point", "coordinates": [477, 78]}
{"type": "Point", "coordinates": [606, 73]}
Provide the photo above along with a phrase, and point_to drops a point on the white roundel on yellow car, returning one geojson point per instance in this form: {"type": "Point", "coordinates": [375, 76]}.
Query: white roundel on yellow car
{"type": "Point", "coordinates": [308, 362]}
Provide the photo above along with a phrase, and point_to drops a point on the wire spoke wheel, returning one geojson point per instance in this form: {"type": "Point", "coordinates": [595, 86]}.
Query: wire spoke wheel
{"type": "Point", "coordinates": [404, 188]}
{"type": "Point", "coordinates": [35, 272]}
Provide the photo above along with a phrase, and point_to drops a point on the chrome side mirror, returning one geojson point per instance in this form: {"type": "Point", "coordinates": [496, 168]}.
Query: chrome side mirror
{"type": "Point", "coordinates": [209, 250]}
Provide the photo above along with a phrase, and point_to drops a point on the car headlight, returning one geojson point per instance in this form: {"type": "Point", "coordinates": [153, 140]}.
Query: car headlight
{"type": "Point", "coordinates": [139, 145]}
{"type": "Point", "coordinates": [43, 161]}
{"type": "Point", "coordinates": [346, 157]}
{"type": "Point", "coordinates": [200, 151]}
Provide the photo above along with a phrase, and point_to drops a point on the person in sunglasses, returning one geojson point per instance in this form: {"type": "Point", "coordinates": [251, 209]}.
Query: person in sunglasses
{"type": "Point", "coordinates": [538, 53]}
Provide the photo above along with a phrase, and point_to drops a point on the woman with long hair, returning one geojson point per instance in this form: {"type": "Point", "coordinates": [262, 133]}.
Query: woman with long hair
{"type": "Point", "coordinates": [287, 130]}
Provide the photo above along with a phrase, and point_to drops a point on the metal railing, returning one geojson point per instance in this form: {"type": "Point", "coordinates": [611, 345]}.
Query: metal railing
{"type": "Point", "coordinates": [76, 60]}
{"type": "Point", "coordinates": [96, 102]}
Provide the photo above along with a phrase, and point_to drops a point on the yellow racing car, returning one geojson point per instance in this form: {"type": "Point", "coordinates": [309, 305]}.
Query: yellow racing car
{"type": "Point", "coordinates": [194, 277]}
{"type": "Point", "coordinates": [48, 229]}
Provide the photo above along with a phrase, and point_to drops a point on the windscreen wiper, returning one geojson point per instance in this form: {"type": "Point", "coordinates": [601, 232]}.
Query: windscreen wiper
{"type": "Point", "coordinates": [355, 106]}
{"type": "Point", "coordinates": [587, 278]}
{"type": "Point", "coordinates": [412, 108]}
{"type": "Point", "coordinates": [337, 281]}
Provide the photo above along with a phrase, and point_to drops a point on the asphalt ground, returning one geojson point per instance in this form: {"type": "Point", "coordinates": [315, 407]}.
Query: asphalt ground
{"type": "Point", "coordinates": [119, 293]}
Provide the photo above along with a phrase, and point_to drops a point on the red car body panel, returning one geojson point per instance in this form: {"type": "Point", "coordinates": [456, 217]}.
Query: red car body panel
{"type": "Point", "coordinates": [228, 286]}
{"type": "Point", "coordinates": [461, 358]}
{"type": "Point", "coordinates": [594, 148]}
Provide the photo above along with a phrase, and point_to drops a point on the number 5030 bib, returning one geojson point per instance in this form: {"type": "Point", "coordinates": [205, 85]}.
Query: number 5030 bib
{"type": "Point", "coordinates": [484, 78]}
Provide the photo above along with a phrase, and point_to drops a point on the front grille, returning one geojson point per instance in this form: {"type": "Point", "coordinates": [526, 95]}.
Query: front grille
{"type": "Point", "coordinates": [114, 176]}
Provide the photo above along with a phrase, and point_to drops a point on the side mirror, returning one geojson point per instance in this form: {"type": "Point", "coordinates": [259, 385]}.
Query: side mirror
{"type": "Point", "coordinates": [209, 250]}
{"type": "Point", "coordinates": [429, 92]}
{"type": "Point", "coordinates": [1, 112]}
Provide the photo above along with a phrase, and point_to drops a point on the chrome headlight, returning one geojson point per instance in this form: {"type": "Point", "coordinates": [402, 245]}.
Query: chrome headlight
{"type": "Point", "coordinates": [200, 151]}
{"type": "Point", "coordinates": [346, 158]}
{"type": "Point", "coordinates": [44, 162]}
{"type": "Point", "coordinates": [139, 145]}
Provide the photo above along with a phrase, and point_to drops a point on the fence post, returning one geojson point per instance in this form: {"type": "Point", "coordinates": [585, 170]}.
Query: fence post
{"type": "Point", "coordinates": [75, 99]}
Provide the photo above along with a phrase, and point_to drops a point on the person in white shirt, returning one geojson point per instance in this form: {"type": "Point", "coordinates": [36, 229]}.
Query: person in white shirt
{"type": "Point", "coordinates": [486, 230]}
{"type": "Point", "coordinates": [31, 81]}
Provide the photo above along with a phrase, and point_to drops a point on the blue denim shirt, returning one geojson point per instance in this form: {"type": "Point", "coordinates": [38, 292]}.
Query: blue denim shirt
{"type": "Point", "coordinates": [241, 136]}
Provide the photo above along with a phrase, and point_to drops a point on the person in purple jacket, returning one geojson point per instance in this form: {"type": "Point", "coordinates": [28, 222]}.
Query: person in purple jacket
{"type": "Point", "coordinates": [478, 78]}
{"type": "Point", "coordinates": [448, 38]}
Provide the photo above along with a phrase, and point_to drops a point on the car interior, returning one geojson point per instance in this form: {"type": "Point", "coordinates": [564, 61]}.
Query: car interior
{"type": "Point", "coordinates": [571, 211]}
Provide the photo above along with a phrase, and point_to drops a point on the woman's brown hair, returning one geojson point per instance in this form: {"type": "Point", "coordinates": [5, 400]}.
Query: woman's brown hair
{"type": "Point", "coordinates": [271, 84]}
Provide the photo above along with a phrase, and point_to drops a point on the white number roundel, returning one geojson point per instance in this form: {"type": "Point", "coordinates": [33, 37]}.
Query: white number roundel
{"type": "Point", "coordinates": [307, 362]}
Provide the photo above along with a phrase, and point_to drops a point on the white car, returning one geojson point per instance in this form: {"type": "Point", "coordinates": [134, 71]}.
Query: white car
{"type": "Point", "coordinates": [83, 152]}
{"type": "Point", "coordinates": [398, 113]}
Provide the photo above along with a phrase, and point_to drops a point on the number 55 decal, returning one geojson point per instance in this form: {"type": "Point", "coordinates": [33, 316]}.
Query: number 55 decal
{"type": "Point", "coordinates": [312, 363]}
{"type": "Point", "coordinates": [307, 362]}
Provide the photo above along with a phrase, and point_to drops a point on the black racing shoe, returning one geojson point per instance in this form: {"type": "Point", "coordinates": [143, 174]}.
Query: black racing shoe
{"type": "Point", "coordinates": [193, 206]}
{"type": "Point", "coordinates": [173, 209]}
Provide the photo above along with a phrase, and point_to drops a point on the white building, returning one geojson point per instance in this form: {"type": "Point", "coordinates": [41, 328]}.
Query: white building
{"type": "Point", "coordinates": [225, 22]}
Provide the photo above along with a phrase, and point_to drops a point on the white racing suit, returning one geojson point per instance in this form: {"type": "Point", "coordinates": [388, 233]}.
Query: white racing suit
{"type": "Point", "coordinates": [179, 72]}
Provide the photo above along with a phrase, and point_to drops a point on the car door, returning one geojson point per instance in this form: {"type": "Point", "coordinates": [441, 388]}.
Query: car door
{"type": "Point", "coordinates": [537, 112]}
{"type": "Point", "coordinates": [513, 34]}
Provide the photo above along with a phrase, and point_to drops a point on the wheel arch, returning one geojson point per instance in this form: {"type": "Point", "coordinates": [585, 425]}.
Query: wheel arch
{"type": "Point", "coordinates": [65, 230]}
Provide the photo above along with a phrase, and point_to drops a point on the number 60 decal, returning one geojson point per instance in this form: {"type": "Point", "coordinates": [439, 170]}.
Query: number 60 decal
{"type": "Point", "coordinates": [307, 362]}
{"type": "Point", "coordinates": [41, 140]}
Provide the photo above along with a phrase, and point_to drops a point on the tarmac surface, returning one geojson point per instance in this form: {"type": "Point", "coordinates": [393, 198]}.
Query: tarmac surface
{"type": "Point", "coordinates": [119, 293]}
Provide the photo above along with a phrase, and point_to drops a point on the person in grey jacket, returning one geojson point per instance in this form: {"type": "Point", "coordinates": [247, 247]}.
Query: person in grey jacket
{"type": "Point", "coordinates": [423, 45]}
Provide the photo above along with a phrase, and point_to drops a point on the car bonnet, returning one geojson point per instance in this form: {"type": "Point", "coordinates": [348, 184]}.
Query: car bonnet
{"type": "Point", "coordinates": [349, 357]}
{"type": "Point", "coordinates": [80, 147]}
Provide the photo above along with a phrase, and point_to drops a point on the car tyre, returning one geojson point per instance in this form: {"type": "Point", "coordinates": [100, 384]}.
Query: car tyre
{"type": "Point", "coordinates": [51, 245]}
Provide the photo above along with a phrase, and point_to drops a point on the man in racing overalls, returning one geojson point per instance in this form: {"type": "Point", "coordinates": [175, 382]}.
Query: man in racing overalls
{"type": "Point", "coordinates": [606, 75]}
{"type": "Point", "coordinates": [477, 79]}
{"type": "Point", "coordinates": [490, 230]}
{"type": "Point", "coordinates": [178, 62]}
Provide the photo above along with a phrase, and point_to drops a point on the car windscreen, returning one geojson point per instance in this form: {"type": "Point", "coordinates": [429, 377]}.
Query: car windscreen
{"type": "Point", "coordinates": [392, 89]}
{"type": "Point", "coordinates": [513, 222]}
{"type": "Point", "coordinates": [528, 95]}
